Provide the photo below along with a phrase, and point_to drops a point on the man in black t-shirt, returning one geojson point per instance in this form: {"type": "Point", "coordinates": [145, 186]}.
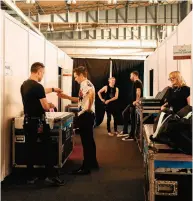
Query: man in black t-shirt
{"type": "Point", "coordinates": [35, 104]}
{"type": "Point", "coordinates": [129, 112]}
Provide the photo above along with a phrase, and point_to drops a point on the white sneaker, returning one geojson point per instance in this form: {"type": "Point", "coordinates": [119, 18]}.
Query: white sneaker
{"type": "Point", "coordinates": [128, 138]}
{"type": "Point", "coordinates": [111, 134]}
{"type": "Point", "coordinates": [121, 134]}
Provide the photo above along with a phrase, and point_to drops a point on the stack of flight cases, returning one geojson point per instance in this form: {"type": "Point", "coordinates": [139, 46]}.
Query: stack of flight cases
{"type": "Point", "coordinates": [168, 173]}
{"type": "Point", "coordinates": [61, 128]}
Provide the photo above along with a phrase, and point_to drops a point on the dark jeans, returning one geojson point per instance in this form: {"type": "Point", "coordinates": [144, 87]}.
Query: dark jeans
{"type": "Point", "coordinates": [32, 135]}
{"type": "Point", "coordinates": [129, 118]}
{"type": "Point", "coordinates": [111, 111]}
{"type": "Point", "coordinates": [86, 123]}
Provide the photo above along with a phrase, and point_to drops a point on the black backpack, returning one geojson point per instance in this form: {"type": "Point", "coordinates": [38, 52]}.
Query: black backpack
{"type": "Point", "coordinates": [176, 132]}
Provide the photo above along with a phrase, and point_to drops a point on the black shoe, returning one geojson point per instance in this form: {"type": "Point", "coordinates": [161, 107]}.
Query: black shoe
{"type": "Point", "coordinates": [80, 172]}
{"type": "Point", "coordinates": [32, 180]}
{"type": "Point", "coordinates": [95, 167]}
{"type": "Point", "coordinates": [55, 181]}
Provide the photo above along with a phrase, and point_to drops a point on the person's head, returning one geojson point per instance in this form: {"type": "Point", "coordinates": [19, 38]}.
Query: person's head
{"type": "Point", "coordinates": [80, 74]}
{"type": "Point", "coordinates": [176, 79]}
{"type": "Point", "coordinates": [112, 81]}
{"type": "Point", "coordinates": [37, 69]}
{"type": "Point", "coordinates": [134, 76]}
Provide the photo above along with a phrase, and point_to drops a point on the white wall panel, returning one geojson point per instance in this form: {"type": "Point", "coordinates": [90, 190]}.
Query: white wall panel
{"type": "Point", "coordinates": [16, 59]}
{"type": "Point", "coordinates": [162, 73]}
{"type": "Point", "coordinates": [171, 64]}
{"type": "Point", "coordinates": [146, 78]}
{"type": "Point", "coordinates": [185, 38]}
{"type": "Point", "coordinates": [2, 166]}
{"type": "Point", "coordinates": [51, 71]}
{"type": "Point", "coordinates": [36, 50]}
{"type": "Point", "coordinates": [67, 80]}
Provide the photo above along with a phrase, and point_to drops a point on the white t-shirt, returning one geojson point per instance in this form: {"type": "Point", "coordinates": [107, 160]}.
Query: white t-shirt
{"type": "Point", "coordinates": [83, 99]}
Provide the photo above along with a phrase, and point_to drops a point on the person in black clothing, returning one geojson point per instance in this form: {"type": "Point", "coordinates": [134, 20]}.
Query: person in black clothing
{"type": "Point", "coordinates": [85, 120]}
{"type": "Point", "coordinates": [110, 101]}
{"type": "Point", "coordinates": [129, 112]}
{"type": "Point", "coordinates": [35, 104]}
{"type": "Point", "coordinates": [178, 95]}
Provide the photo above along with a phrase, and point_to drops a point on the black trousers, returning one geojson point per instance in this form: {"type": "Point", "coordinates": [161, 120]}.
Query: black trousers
{"type": "Point", "coordinates": [86, 123]}
{"type": "Point", "coordinates": [129, 117]}
{"type": "Point", "coordinates": [32, 135]}
{"type": "Point", "coordinates": [111, 112]}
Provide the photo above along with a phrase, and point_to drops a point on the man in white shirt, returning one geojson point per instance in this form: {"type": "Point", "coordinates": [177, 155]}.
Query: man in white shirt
{"type": "Point", "coordinates": [86, 118]}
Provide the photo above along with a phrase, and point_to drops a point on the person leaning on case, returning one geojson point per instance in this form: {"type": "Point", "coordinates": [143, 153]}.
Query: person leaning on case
{"type": "Point", "coordinates": [35, 104]}
{"type": "Point", "coordinates": [178, 95]}
{"type": "Point", "coordinates": [85, 120]}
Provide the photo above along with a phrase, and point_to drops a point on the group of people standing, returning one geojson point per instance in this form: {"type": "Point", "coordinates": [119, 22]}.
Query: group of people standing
{"type": "Point", "coordinates": [111, 106]}
{"type": "Point", "coordinates": [35, 105]}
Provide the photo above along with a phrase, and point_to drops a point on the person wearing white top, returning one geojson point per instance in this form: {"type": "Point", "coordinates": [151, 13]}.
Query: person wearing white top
{"type": "Point", "coordinates": [86, 119]}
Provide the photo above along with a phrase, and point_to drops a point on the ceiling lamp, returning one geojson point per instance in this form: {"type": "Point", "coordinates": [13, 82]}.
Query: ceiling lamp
{"type": "Point", "coordinates": [112, 1]}
{"type": "Point", "coordinates": [28, 1]}
{"type": "Point", "coordinates": [52, 28]}
{"type": "Point", "coordinates": [33, 1]}
{"type": "Point", "coordinates": [48, 29]}
{"type": "Point", "coordinates": [71, 1]}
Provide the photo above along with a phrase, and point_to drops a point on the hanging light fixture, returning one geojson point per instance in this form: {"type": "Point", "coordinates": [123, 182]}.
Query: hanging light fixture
{"type": "Point", "coordinates": [28, 1]}
{"type": "Point", "coordinates": [48, 29]}
{"type": "Point", "coordinates": [52, 28]}
{"type": "Point", "coordinates": [73, 1]}
{"type": "Point", "coordinates": [33, 1]}
{"type": "Point", "coordinates": [109, 1]}
{"type": "Point", "coordinates": [68, 2]}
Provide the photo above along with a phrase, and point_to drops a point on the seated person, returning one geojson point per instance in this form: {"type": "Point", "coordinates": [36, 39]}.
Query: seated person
{"type": "Point", "coordinates": [178, 95]}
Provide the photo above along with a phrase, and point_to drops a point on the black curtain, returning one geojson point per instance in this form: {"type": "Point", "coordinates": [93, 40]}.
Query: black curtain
{"type": "Point", "coordinates": [98, 74]}
{"type": "Point", "coordinates": [121, 70]}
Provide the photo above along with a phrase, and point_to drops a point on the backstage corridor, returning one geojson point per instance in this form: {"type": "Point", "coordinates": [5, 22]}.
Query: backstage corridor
{"type": "Point", "coordinates": [120, 177]}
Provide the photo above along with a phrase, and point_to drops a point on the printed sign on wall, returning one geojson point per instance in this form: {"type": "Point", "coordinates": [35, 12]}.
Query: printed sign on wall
{"type": "Point", "coordinates": [182, 52]}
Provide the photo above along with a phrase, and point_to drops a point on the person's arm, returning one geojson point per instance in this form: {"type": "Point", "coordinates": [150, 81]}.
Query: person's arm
{"type": "Point", "coordinates": [138, 96]}
{"type": "Point", "coordinates": [188, 100]}
{"type": "Point", "coordinates": [65, 96]}
{"type": "Point", "coordinates": [46, 106]}
{"type": "Point", "coordinates": [164, 106]}
{"type": "Point", "coordinates": [40, 93]}
{"type": "Point", "coordinates": [104, 89]}
{"type": "Point", "coordinates": [91, 96]}
{"type": "Point", "coordinates": [114, 98]}
{"type": "Point", "coordinates": [50, 90]}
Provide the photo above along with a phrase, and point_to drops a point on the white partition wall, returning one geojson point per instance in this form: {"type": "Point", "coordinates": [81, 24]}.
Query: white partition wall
{"type": "Point", "coordinates": [36, 50]}
{"type": "Point", "coordinates": [162, 59]}
{"type": "Point", "coordinates": [185, 37]}
{"type": "Point", "coordinates": [2, 166]}
{"type": "Point", "coordinates": [162, 77]}
{"type": "Point", "coordinates": [16, 71]}
{"type": "Point", "coordinates": [171, 64]}
{"type": "Point", "coordinates": [67, 80]}
{"type": "Point", "coordinates": [51, 71]}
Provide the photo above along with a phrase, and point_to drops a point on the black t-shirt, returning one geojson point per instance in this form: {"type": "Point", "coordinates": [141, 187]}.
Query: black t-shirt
{"type": "Point", "coordinates": [137, 84]}
{"type": "Point", "coordinates": [177, 97]}
{"type": "Point", "coordinates": [32, 92]}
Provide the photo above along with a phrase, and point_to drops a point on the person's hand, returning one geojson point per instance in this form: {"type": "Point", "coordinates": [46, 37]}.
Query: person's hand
{"type": "Point", "coordinates": [163, 107]}
{"type": "Point", "coordinates": [51, 105]}
{"type": "Point", "coordinates": [103, 100]}
{"type": "Point", "coordinates": [57, 90]}
{"type": "Point", "coordinates": [62, 95]}
{"type": "Point", "coordinates": [107, 102]}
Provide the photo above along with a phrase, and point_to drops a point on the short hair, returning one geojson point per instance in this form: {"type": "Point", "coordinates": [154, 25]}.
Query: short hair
{"type": "Point", "coordinates": [111, 78]}
{"type": "Point", "coordinates": [36, 66]}
{"type": "Point", "coordinates": [135, 73]}
{"type": "Point", "coordinates": [81, 70]}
